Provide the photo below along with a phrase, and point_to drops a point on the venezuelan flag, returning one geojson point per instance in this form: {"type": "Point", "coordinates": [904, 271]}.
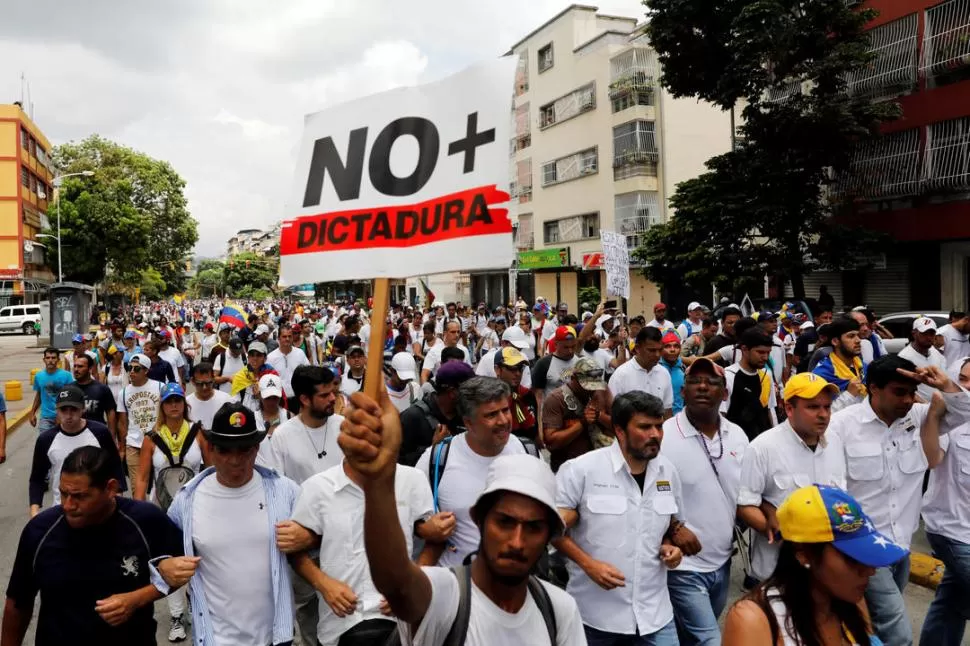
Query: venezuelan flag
{"type": "Point", "coordinates": [232, 314]}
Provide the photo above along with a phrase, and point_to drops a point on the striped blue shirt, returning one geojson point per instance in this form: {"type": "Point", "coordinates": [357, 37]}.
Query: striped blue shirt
{"type": "Point", "coordinates": [281, 495]}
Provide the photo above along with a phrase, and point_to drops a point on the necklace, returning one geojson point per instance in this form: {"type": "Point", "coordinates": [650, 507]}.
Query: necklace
{"type": "Point", "coordinates": [712, 459]}
{"type": "Point", "coordinates": [321, 452]}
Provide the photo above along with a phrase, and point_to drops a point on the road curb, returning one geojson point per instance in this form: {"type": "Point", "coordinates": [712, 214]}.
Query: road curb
{"type": "Point", "coordinates": [925, 570]}
{"type": "Point", "coordinates": [17, 421]}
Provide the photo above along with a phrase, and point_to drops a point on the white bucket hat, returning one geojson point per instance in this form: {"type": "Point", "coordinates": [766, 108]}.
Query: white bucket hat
{"type": "Point", "coordinates": [525, 475]}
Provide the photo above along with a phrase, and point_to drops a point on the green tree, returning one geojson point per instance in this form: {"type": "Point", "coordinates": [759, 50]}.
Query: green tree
{"type": "Point", "coordinates": [589, 295]}
{"type": "Point", "coordinates": [761, 208]}
{"type": "Point", "coordinates": [208, 281]}
{"type": "Point", "coordinates": [152, 285]}
{"type": "Point", "coordinates": [247, 271]}
{"type": "Point", "coordinates": [130, 215]}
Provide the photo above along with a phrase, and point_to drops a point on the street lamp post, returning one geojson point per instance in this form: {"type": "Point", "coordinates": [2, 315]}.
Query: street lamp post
{"type": "Point", "coordinates": [57, 183]}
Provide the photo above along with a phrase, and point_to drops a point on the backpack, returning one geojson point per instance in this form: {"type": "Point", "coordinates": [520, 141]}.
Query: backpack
{"type": "Point", "coordinates": [459, 629]}
{"type": "Point", "coordinates": [171, 478]}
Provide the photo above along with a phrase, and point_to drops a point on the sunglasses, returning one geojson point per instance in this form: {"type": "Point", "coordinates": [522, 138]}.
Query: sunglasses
{"type": "Point", "coordinates": [135, 368]}
{"type": "Point", "coordinates": [516, 368]}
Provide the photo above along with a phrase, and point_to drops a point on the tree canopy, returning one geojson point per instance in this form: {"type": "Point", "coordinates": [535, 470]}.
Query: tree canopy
{"type": "Point", "coordinates": [761, 208]}
{"type": "Point", "coordinates": [131, 216]}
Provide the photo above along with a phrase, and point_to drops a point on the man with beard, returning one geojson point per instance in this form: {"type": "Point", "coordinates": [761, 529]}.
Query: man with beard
{"type": "Point", "coordinates": [457, 467]}
{"type": "Point", "coordinates": [696, 437]}
{"type": "Point", "coordinates": [301, 447]}
{"type": "Point", "coordinates": [844, 367]}
{"type": "Point", "coordinates": [620, 505]}
{"type": "Point", "coordinates": [886, 458]}
{"type": "Point", "coordinates": [515, 517]}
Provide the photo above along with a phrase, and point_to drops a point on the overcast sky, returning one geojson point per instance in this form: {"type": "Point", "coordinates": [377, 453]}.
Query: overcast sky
{"type": "Point", "coordinates": [219, 88]}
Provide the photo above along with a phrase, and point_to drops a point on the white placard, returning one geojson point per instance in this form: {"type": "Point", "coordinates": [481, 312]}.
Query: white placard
{"type": "Point", "coordinates": [616, 258]}
{"type": "Point", "coordinates": [408, 182]}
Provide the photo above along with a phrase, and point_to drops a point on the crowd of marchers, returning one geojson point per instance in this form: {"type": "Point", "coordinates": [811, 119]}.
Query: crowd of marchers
{"type": "Point", "coordinates": [525, 475]}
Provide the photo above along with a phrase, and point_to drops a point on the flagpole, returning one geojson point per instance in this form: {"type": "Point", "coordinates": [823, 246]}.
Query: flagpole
{"type": "Point", "coordinates": [374, 377]}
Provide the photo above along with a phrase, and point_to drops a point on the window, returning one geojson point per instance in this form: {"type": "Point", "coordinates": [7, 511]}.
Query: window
{"type": "Point", "coordinates": [632, 75]}
{"type": "Point", "coordinates": [948, 155]}
{"type": "Point", "coordinates": [24, 139]}
{"type": "Point", "coordinates": [18, 311]}
{"type": "Point", "coordinates": [33, 184]}
{"type": "Point", "coordinates": [634, 213]}
{"type": "Point", "coordinates": [25, 177]}
{"type": "Point", "coordinates": [522, 74]}
{"type": "Point", "coordinates": [946, 43]}
{"type": "Point", "coordinates": [893, 70]}
{"type": "Point", "coordinates": [546, 60]}
{"type": "Point", "coordinates": [523, 128]}
{"type": "Point", "coordinates": [577, 227]}
{"type": "Point", "coordinates": [884, 167]}
{"type": "Point", "coordinates": [634, 149]}
{"type": "Point", "coordinates": [523, 233]}
{"type": "Point", "coordinates": [570, 167]}
{"type": "Point", "coordinates": [566, 107]}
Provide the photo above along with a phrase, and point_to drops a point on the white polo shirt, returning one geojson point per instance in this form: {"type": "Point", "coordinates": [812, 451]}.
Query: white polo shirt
{"type": "Point", "coordinates": [777, 463]}
{"type": "Point", "coordinates": [946, 503]}
{"type": "Point", "coordinates": [710, 497]}
{"type": "Point", "coordinates": [619, 525]}
{"type": "Point", "coordinates": [885, 465]}
{"type": "Point", "coordinates": [332, 505]}
{"type": "Point", "coordinates": [956, 346]}
{"type": "Point", "coordinates": [632, 376]}
{"type": "Point", "coordinates": [933, 358]}
{"type": "Point", "coordinates": [432, 360]}
{"type": "Point", "coordinates": [286, 364]}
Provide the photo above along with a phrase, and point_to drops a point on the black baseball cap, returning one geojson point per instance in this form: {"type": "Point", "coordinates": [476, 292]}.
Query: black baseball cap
{"type": "Point", "coordinates": [70, 396]}
{"type": "Point", "coordinates": [235, 343]}
{"type": "Point", "coordinates": [234, 426]}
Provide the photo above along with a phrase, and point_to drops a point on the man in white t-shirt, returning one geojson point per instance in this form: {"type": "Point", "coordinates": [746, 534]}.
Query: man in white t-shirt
{"type": "Point", "coordinates": [205, 400]}
{"type": "Point", "coordinates": [512, 337]}
{"type": "Point", "coordinates": [137, 411]}
{"type": "Point", "coordinates": [514, 513]}
{"type": "Point", "coordinates": [228, 363]}
{"type": "Point", "coordinates": [694, 322]}
{"type": "Point", "coordinates": [956, 345]}
{"type": "Point", "coordinates": [660, 318]}
{"type": "Point", "coordinates": [451, 336]}
{"type": "Point", "coordinates": [402, 386]}
{"type": "Point", "coordinates": [235, 521]}
{"type": "Point", "coordinates": [922, 353]}
{"type": "Point", "coordinates": [302, 447]}
{"type": "Point", "coordinates": [643, 371]}
{"type": "Point", "coordinates": [285, 359]}
{"type": "Point", "coordinates": [483, 403]}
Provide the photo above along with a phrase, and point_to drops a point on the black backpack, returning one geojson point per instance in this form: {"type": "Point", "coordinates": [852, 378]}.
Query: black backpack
{"type": "Point", "coordinates": [171, 478]}
{"type": "Point", "coordinates": [459, 629]}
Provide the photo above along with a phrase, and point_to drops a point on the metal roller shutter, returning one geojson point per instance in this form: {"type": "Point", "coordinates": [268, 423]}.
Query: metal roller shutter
{"type": "Point", "coordinates": [831, 279]}
{"type": "Point", "coordinates": [887, 290]}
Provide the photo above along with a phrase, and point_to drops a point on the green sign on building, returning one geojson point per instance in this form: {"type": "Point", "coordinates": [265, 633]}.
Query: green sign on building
{"type": "Point", "coordinates": [544, 258]}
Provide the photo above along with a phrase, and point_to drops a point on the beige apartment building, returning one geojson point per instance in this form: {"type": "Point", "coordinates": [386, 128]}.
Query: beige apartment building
{"type": "Point", "coordinates": [597, 145]}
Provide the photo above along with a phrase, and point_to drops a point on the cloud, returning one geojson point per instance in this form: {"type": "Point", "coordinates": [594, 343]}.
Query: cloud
{"type": "Point", "coordinates": [220, 88]}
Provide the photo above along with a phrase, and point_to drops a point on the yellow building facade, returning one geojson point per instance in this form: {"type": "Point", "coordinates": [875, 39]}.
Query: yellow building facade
{"type": "Point", "coordinates": [26, 178]}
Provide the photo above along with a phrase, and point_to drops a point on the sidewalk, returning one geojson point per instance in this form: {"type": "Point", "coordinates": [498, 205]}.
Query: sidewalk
{"type": "Point", "coordinates": [20, 355]}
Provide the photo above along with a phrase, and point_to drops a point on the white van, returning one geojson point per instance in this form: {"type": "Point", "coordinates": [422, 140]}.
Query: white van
{"type": "Point", "coordinates": [19, 318]}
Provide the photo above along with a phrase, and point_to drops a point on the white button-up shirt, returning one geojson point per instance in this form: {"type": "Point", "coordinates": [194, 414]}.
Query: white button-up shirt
{"type": "Point", "coordinates": [709, 496]}
{"type": "Point", "coordinates": [331, 505]}
{"type": "Point", "coordinates": [885, 464]}
{"type": "Point", "coordinates": [946, 503]}
{"type": "Point", "coordinates": [623, 527]}
{"type": "Point", "coordinates": [777, 463]}
{"type": "Point", "coordinates": [933, 358]}
{"type": "Point", "coordinates": [632, 376]}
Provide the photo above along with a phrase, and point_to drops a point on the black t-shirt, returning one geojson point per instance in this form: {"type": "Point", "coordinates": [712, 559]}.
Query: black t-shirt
{"type": "Point", "coordinates": [72, 569]}
{"type": "Point", "coordinates": [804, 347]}
{"type": "Point", "coordinates": [98, 401]}
{"type": "Point", "coordinates": [744, 407]}
{"type": "Point", "coordinates": [417, 431]}
{"type": "Point", "coordinates": [717, 343]}
{"type": "Point", "coordinates": [641, 479]}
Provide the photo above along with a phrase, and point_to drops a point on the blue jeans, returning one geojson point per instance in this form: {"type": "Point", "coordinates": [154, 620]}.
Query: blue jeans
{"type": "Point", "coordinates": [948, 614]}
{"type": "Point", "coordinates": [884, 596]}
{"type": "Point", "coordinates": [46, 424]}
{"type": "Point", "coordinates": [699, 599]}
{"type": "Point", "coordinates": [666, 636]}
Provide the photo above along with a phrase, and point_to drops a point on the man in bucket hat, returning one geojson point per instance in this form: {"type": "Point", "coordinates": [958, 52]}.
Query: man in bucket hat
{"type": "Point", "coordinates": [234, 518]}
{"type": "Point", "coordinates": [516, 517]}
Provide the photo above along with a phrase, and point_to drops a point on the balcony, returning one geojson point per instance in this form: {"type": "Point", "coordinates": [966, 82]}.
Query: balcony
{"type": "Point", "coordinates": [946, 44]}
{"type": "Point", "coordinates": [634, 150]}
{"type": "Point", "coordinates": [884, 168]}
{"type": "Point", "coordinates": [522, 128]}
{"type": "Point", "coordinates": [524, 240]}
{"type": "Point", "coordinates": [634, 214]}
{"type": "Point", "coordinates": [782, 92]}
{"type": "Point", "coordinates": [521, 181]}
{"type": "Point", "coordinates": [947, 166]}
{"type": "Point", "coordinates": [522, 74]}
{"type": "Point", "coordinates": [633, 76]}
{"type": "Point", "coordinates": [893, 71]}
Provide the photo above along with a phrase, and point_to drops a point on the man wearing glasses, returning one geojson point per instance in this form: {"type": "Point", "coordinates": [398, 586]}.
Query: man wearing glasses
{"type": "Point", "coordinates": [137, 411]}
{"type": "Point", "coordinates": [206, 399]}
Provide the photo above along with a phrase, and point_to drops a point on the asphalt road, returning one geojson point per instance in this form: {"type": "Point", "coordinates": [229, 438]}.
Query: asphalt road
{"type": "Point", "coordinates": [13, 516]}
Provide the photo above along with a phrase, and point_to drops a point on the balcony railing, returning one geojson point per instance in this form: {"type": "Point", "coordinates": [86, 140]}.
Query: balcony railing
{"type": "Point", "coordinates": [886, 167]}
{"type": "Point", "coordinates": [946, 45]}
{"type": "Point", "coordinates": [782, 92]}
{"type": "Point", "coordinates": [524, 240]}
{"type": "Point", "coordinates": [635, 70]}
{"type": "Point", "coordinates": [947, 165]}
{"type": "Point", "coordinates": [894, 68]}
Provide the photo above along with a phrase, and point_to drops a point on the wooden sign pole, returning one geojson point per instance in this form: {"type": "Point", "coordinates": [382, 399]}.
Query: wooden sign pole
{"type": "Point", "coordinates": [375, 348]}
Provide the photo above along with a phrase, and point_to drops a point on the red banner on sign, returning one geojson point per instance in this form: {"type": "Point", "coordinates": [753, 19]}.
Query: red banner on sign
{"type": "Point", "coordinates": [458, 215]}
{"type": "Point", "coordinates": [593, 260]}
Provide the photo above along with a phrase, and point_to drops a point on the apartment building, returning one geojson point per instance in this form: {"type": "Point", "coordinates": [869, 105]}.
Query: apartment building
{"type": "Point", "coordinates": [913, 182]}
{"type": "Point", "coordinates": [26, 186]}
{"type": "Point", "coordinates": [597, 145]}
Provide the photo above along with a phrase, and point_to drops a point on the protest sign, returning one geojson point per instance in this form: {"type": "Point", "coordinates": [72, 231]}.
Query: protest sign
{"type": "Point", "coordinates": [616, 258]}
{"type": "Point", "coordinates": [407, 182]}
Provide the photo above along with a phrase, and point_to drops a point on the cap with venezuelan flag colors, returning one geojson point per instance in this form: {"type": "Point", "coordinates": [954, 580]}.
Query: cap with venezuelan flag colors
{"type": "Point", "coordinates": [822, 514]}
